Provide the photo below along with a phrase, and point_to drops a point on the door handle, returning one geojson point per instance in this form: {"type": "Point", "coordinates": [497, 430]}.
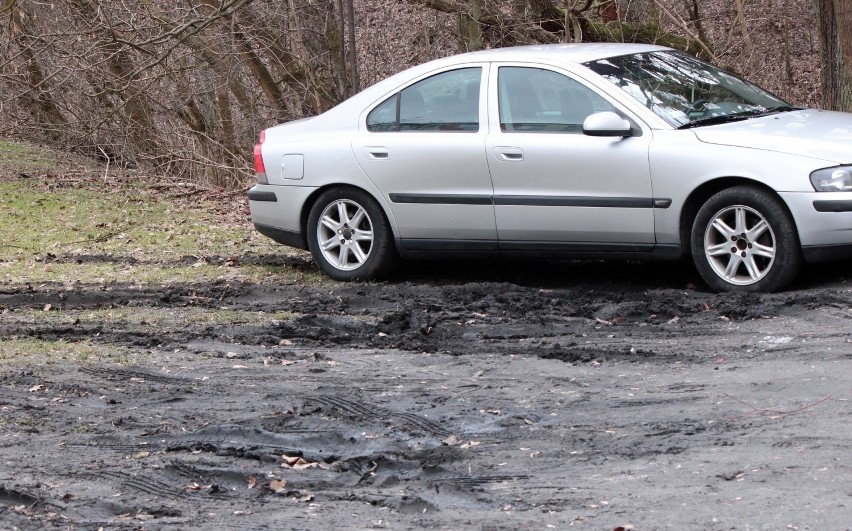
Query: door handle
{"type": "Point", "coordinates": [377, 153]}
{"type": "Point", "coordinates": [510, 154]}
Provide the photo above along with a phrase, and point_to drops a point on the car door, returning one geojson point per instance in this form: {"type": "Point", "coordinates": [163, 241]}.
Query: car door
{"type": "Point", "coordinates": [424, 148]}
{"type": "Point", "coordinates": [554, 187]}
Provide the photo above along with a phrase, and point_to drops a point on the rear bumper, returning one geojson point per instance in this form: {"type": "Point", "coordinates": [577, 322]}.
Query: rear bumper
{"type": "Point", "coordinates": [278, 212]}
{"type": "Point", "coordinates": [285, 237]}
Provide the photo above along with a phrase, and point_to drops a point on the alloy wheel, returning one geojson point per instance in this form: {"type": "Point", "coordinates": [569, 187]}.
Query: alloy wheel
{"type": "Point", "coordinates": [740, 245]}
{"type": "Point", "coordinates": [345, 234]}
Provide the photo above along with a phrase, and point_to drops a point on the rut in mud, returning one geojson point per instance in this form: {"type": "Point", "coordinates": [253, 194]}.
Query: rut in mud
{"type": "Point", "coordinates": [585, 394]}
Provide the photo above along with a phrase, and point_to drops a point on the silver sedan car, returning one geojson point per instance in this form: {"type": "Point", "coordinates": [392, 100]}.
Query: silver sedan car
{"type": "Point", "coordinates": [581, 150]}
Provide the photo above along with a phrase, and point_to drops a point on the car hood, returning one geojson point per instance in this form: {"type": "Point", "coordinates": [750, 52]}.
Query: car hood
{"type": "Point", "coordinates": [810, 133]}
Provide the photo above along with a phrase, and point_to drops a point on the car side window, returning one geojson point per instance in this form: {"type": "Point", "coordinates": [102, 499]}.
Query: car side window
{"type": "Point", "coordinates": [448, 101]}
{"type": "Point", "coordinates": [538, 100]}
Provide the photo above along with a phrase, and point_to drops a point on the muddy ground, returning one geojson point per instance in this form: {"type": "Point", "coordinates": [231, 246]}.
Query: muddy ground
{"type": "Point", "coordinates": [475, 395]}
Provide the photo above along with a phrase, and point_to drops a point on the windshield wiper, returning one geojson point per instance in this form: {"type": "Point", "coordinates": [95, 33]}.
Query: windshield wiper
{"type": "Point", "coordinates": [738, 116]}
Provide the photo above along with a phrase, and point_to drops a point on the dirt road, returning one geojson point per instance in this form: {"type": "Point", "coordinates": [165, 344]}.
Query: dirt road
{"type": "Point", "coordinates": [515, 396]}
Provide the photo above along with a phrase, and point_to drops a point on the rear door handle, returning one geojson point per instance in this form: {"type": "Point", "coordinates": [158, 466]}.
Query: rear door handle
{"type": "Point", "coordinates": [507, 153]}
{"type": "Point", "coordinates": [377, 153]}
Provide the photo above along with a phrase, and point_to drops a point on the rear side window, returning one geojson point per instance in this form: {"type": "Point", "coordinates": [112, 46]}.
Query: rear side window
{"type": "Point", "coordinates": [537, 100]}
{"type": "Point", "coordinates": [448, 101]}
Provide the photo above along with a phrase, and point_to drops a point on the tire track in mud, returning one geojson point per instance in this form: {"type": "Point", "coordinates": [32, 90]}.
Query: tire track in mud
{"type": "Point", "coordinates": [137, 376]}
{"type": "Point", "coordinates": [374, 413]}
{"type": "Point", "coordinates": [141, 483]}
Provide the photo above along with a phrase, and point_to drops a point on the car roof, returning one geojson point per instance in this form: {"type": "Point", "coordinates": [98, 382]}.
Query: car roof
{"type": "Point", "coordinates": [573, 52]}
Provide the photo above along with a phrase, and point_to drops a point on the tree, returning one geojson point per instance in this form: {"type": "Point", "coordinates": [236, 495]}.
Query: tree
{"type": "Point", "coordinates": [180, 88]}
{"type": "Point", "coordinates": [834, 19]}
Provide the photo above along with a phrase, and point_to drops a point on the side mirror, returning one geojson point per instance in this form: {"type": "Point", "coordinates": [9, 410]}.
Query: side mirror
{"type": "Point", "coordinates": [606, 124]}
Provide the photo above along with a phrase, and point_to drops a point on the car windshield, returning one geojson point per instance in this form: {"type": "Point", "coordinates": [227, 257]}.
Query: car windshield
{"type": "Point", "coordinates": [684, 91]}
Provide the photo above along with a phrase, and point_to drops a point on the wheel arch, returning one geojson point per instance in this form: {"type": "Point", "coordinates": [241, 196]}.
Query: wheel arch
{"type": "Point", "coordinates": [700, 195]}
{"type": "Point", "coordinates": [312, 199]}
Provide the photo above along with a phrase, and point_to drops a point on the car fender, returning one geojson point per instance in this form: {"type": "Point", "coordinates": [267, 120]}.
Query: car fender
{"type": "Point", "coordinates": [681, 164]}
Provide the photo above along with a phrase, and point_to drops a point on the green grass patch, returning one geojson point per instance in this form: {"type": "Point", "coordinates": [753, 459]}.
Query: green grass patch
{"type": "Point", "coordinates": [140, 317]}
{"type": "Point", "coordinates": [89, 234]}
{"type": "Point", "coordinates": [132, 223]}
{"type": "Point", "coordinates": [40, 352]}
{"type": "Point", "coordinates": [22, 158]}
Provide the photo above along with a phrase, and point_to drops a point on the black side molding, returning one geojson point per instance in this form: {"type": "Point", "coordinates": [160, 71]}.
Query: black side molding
{"type": "Point", "coordinates": [532, 200]}
{"type": "Point", "coordinates": [833, 206]}
{"type": "Point", "coordinates": [258, 195]}
{"type": "Point", "coordinates": [439, 199]}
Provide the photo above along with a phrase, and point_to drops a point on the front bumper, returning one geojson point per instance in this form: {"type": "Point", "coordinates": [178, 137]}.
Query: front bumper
{"type": "Point", "coordinates": [824, 222]}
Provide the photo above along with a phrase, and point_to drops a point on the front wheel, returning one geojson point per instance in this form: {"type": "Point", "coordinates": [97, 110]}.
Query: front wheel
{"type": "Point", "coordinates": [349, 235]}
{"type": "Point", "coordinates": [743, 239]}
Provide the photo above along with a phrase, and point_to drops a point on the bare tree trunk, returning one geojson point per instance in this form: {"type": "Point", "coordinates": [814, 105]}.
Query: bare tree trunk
{"type": "Point", "coordinates": [38, 96]}
{"type": "Point", "coordinates": [341, 39]}
{"type": "Point", "coordinates": [843, 16]}
{"type": "Point", "coordinates": [695, 19]}
{"type": "Point", "coordinates": [469, 27]}
{"type": "Point", "coordinates": [353, 57]}
{"type": "Point", "coordinates": [120, 65]}
{"type": "Point", "coordinates": [831, 60]}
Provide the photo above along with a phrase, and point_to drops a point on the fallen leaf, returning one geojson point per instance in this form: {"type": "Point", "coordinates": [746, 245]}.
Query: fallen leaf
{"type": "Point", "coordinates": [47, 307]}
{"type": "Point", "coordinates": [469, 444]}
{"type": "Point", "coordinates": [297, 463]}
{"type": "Point", "coordinates": [252, 481]}
{"type": "Point", "coordinates": [277, 485]}
{"type": "Point", "coordinates": [35, 388]}
{"type": "Point", "coordinates": [452, 440]}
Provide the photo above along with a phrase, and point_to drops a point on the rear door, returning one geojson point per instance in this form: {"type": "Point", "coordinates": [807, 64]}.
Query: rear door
{"type": "Point", "coordinates": [424, 148]}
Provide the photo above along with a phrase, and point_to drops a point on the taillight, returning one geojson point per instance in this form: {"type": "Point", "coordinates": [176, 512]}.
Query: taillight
{"type": "Point", "coordinates": [259, 168]}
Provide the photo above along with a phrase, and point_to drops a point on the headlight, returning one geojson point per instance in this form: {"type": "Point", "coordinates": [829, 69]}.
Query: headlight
{"type": "Point", "coordinates": [836, 179]}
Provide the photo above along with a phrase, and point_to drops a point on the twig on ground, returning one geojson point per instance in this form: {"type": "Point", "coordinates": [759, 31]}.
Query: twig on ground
{"type": "Point", "coordinates": [779, 412]}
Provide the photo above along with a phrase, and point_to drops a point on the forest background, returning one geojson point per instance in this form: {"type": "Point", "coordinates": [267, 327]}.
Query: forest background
{"type": "Point", "coordinates": [183, 88]}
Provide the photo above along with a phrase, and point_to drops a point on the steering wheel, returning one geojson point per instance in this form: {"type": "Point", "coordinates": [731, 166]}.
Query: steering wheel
{"type": "Point", "coordinates": [693, 107]}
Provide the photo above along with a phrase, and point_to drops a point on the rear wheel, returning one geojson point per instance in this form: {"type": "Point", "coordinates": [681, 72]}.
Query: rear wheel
{"type": "Point", "coordinates": [743, 239]}
{"type": "Point", "coordinates": [349, 236]}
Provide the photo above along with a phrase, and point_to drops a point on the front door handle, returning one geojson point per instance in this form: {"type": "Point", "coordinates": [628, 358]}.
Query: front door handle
{"type": "Point", "coordinates": [510, 154]}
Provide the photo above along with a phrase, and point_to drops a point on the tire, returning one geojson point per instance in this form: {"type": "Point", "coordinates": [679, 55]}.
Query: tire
{"type": "Point", "coordinates": [744, 240]}
{"type": "Point", "coordinates": [349, 236]}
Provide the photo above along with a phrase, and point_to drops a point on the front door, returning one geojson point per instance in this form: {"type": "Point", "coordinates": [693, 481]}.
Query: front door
{"type": "Point", "coordinates": [554, 187]}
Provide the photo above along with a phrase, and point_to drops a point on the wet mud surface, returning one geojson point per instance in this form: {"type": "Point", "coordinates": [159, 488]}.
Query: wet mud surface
{"type": "Point", "coordinates": [479, 395]}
